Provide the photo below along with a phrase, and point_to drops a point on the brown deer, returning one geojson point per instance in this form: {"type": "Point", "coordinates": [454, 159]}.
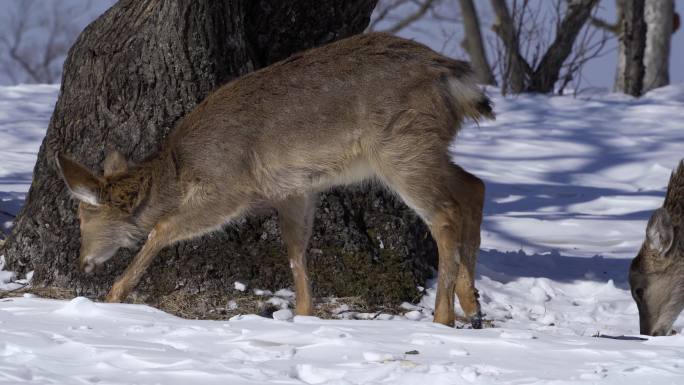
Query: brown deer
{"type": "Point", "coordinates": [656, 275]}
{"type": "Point", "coordinates": [370, 107]}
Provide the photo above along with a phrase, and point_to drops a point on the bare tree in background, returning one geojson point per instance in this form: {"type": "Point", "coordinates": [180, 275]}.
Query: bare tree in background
{"type": "Point", "coordinates": [472, 43]}
{"type": "Point", "coordinates": [391, 16]}
{"type": "Point", "coordinates": [589, 45]}
{"type": "Point", "coordinates": [661, 22]}
{"type": "Point", "coordinates": [633, 40]}
{"type": "Point", "coordinates": [541, 73]}
{"type": "Point", "coordinates": [386, 9]}
{"type": "Point", "coordinates": [625, 45]}
{"type": "Point", "coordinates": [35, 45]}
{"type": "Point", "coordinates": [616, 30]}
{"type": "Point", "coordinates": [659, 16]}
{"type": "Point", "coordinates": [515, 69]}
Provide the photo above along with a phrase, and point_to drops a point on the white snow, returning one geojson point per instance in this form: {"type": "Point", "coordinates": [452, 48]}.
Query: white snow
{"type": "Point", "coordinates": [283, 315]}
{"type": "Point", "coordinates": [239, 286]}
{"type": "Point", "coordinates": [47, 341]}
{"type": "Point", "coordinates": [574, 175]}
{"type": "Point", "coordinates": [570, 186]}
{"type": "Point", "coordinates": [24, 115]}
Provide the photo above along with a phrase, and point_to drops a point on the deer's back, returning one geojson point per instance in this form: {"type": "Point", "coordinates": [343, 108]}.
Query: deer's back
{"type": "Point", "coordinates": [317, 113]}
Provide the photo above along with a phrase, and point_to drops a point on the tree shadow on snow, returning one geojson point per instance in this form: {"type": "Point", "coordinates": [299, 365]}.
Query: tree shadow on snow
{"type": "Point", "coordinates": [593, 126]}
{"type": "Point", "coordinates": [508, 266]}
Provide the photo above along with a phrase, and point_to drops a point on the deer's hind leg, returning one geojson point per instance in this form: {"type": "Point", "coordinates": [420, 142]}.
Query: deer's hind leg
{"type": "Point", "coordinates": [450, 201]}
{"type": "Point", "coordinates": [470, 191]}
{"type": "Point", "coordinates": [295, 215]}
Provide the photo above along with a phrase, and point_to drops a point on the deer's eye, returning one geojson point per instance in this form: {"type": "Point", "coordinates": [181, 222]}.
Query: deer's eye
{"type": "Point", "coordinates": [639, 293]}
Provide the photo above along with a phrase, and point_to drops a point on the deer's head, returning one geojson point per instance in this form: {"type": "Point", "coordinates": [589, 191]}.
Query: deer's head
{"type": "Point", "coordinates": [107, 208]}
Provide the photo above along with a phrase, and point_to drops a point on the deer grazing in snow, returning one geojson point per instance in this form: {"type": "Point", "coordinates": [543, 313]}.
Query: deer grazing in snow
{"type": "Point", "coordinates": [371, 106]}
{"type": "Point", "coordinates": [656, 275]}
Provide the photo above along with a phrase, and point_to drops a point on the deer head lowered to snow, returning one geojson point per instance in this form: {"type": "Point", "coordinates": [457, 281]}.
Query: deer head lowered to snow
{"type": "Point", "coordinates": [656, 275]}
{"type": "Point", "coordinates": [368, 107]}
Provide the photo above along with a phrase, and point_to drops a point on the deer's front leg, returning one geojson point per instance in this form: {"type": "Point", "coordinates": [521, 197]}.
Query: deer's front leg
{"type": "Point", "coordinates": [296, 215]}
{"type": "Point", "coordinates": [185, 223]}
{"type": "Point", "coordinates": [157, 240]}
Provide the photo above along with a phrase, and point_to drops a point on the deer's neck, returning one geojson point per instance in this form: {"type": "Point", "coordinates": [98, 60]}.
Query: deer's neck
{"type": "Point", "coordinates": [162, 190]}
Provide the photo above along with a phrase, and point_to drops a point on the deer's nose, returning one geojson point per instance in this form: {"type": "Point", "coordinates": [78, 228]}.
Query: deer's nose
{"type": "Point", "coordinates": [87, 266]}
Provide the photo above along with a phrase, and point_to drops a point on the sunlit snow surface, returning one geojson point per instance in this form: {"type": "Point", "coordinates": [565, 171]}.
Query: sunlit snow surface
{"type": "Point", "coordinates": [80, 342]}
{"type": "Point", "coordinates": [570, 186]}
{"type": "Point", "coordinates": [575, 175]}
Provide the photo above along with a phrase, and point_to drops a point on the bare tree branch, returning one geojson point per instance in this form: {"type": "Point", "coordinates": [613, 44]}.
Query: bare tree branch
{"type": "Point", "coordinates": [473, 43]}
{"type": "Point", "coordinates": [546, 75]}
{"type": "Point", "coordinates": [383, 10]}
{"type": "Point", "coordinates": [659, 17]}
{"type": "Point", "coordinates": [605, 25]}
{"type": "Point", "coordinates": [588, 47]}
{"type": "Point", "coordinates": [423, 7]}
{"type": "Point", "coordinates": [516, 68]}
{"type": "Point", "coordinates": [634, 40]}
{"type": "Point", "coordinates": [523, 35]}
{"type": "Point", "coordinates": [27, 52]}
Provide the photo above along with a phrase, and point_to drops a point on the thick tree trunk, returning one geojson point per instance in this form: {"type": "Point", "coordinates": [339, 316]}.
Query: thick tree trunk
{"type": "Point", "coordinates": [130, 76]}
{"type": "Point", "coordinates": [633, 39]}
{"type": "Point", "coordinates": [659, 15]}
{"type": "Point", "coordinates": [546, 75]}
{"type": "Point", "coordinates": [473, 43]}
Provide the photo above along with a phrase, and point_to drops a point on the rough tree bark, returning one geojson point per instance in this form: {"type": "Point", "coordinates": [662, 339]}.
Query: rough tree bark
{"type": "Point", "coordinates": [659, 16]}
{"type": "Point", "coordinates": [130, 76]}
{"type": "Point", "coordinates": [472, 43]}
{"type": "Point", "coordinates": [633, 40]}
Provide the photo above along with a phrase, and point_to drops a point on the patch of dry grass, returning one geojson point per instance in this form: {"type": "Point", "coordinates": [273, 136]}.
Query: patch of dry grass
{"type": "Point", "coordinates": [214, 305]}
{"type": "Point", "coordinates": [43, 292]}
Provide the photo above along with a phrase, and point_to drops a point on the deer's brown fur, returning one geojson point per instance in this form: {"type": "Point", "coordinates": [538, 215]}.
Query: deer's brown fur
{"type": "Point", "coordinates": [656, 275]}
{"type": "Point", "coordinates": [370, 107]}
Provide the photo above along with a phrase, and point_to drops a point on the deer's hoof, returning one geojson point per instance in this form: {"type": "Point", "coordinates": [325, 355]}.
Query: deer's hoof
{"type": "Point", "coordinates": [115, 295]}
{"type": "Point", "coordinates": [476, 320]}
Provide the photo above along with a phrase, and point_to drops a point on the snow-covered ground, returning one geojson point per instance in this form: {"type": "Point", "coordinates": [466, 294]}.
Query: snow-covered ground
{"type": "Point", "coordinates": [575, 175]}
{"type": "Point", "coordinates": [571, 183]}
{"type": "Point", "coordinates": [24, 115]}
{"type": "Point", "coordinates": [81, 342]}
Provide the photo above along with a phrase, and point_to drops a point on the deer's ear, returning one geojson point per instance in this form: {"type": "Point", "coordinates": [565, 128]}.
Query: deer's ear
{"type": "Point", "coordinates": [115, 164]}
{"type": "Point", "coordinates": [80, 181]}
{"type": "Point", "coordinates": [127, 194]}
{"type": "Point", "coordinates": [660, 232]}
